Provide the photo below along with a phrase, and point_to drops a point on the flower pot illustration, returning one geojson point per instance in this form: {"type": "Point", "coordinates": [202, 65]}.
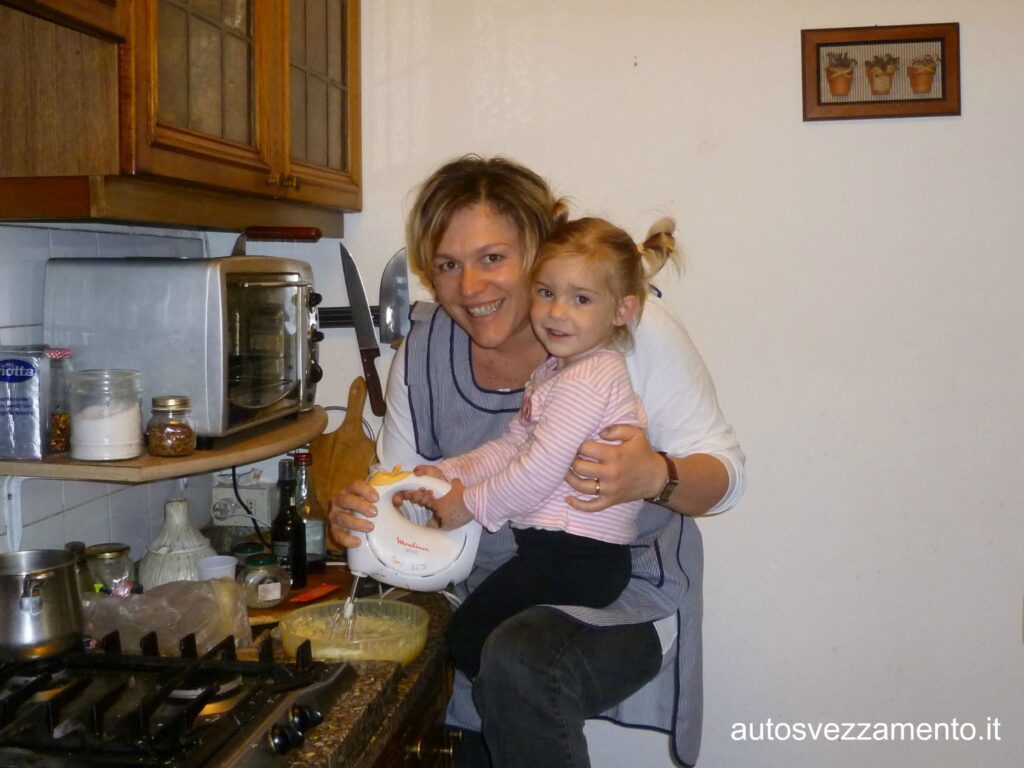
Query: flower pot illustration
{"type": "Point", "coordinates": [840, 79]}
{"type": "Point", "coordinates": [839, 73]}
{"type": "Point", "coordinates": [921, 73]}
{"type": "Point", "coordinates": [880, 71]}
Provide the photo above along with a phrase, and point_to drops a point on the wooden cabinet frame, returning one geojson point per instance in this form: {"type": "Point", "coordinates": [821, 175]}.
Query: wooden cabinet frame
{"type": "Point", "coordinates": [187, 155]}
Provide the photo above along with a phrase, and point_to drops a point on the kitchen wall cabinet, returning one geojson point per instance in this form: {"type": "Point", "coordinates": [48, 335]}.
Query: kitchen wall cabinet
{"type": "Point", "coordinates": [100, 17]}
{"type": "Point", "coordinates": [209, 113]}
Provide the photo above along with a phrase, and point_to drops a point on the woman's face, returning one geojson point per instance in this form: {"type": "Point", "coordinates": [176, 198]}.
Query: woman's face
{"type": "Point", "coordinates": [479, 276]}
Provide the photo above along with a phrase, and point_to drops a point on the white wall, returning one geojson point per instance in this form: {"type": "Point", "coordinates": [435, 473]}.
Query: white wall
{"type": "Point", "coordinates": [851, 285]}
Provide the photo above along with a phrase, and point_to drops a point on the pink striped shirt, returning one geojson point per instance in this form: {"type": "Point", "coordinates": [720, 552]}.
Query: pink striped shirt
{"type": "Point", "coordinates": [520, 477]}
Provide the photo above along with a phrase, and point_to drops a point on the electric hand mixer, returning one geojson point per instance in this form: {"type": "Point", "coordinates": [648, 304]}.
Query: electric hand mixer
{"type": "Point", "coordinates": [404, 553]}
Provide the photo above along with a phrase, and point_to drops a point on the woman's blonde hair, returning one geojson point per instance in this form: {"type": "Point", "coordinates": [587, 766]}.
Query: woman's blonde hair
{"type": "Point", "coordinates": [630, 266]}
{"type": "Point", "coordinates": [510, 189]}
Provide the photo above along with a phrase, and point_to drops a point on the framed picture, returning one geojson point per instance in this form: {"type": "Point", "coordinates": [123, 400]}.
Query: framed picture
{"type": "Point", "coordinates": [864, 72]}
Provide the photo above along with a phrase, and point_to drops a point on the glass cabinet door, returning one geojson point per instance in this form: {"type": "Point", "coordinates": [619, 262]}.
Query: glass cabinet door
{"type": "Point", "coordinates": [205, 67]}
{"type": "Point", "coordinates": [256, 96]}
{"type": "Point", "coordinates": [323, 91]}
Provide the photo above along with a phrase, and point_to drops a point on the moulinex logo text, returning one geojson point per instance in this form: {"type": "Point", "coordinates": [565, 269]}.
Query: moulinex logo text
{"type": "Point", "coordinates": [412, 544]}
{"type": "Point", "coordinates": [16, 370]}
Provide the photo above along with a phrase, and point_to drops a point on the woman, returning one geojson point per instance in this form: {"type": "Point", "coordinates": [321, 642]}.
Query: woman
{"type": "Point", "coordinates": [472, 235]}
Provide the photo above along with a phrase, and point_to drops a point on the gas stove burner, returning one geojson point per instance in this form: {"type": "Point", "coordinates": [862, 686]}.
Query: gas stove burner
{"type": "Point", "coordinates": [84, 709]}
{"type": "Point", "coordinates": [224, 684]}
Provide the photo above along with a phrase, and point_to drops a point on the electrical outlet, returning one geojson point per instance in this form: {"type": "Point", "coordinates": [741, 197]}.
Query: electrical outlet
{"type": "Point", "coordinates": [261, 499]}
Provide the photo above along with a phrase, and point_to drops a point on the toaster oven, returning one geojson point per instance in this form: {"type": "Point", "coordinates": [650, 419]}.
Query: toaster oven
{"type": "Point", "coordinates": [238, 334]}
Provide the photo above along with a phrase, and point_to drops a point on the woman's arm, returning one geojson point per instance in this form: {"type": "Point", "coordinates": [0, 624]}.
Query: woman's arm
{"type": "Point", "coordinates": [633, 470]}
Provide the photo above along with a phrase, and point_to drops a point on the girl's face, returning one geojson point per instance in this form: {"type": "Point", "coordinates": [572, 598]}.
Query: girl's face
{"type": "Point", "coordinates": [574, 310]}
{"type": "Point", "coordinates": [479, 277]}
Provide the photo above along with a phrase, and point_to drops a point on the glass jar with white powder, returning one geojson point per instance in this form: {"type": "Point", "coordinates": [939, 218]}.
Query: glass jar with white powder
{"type": "Point", "coordinates": [106, 415]}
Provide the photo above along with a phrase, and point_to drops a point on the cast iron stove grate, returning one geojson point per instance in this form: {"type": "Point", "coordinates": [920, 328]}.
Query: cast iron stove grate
{"type": "Point", "coordinates": [111, 708]}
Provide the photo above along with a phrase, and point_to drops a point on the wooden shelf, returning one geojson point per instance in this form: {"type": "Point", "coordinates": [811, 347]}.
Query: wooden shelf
{"type": "Point", "coordinates": [255, 444]}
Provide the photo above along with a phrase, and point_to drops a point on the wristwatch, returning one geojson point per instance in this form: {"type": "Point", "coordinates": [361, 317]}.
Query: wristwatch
{"type": "Point", "coordinates": [670, 485]}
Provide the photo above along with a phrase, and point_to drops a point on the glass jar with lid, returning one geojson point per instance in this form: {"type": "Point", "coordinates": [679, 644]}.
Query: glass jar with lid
{"type": "Point", "coordinates": [171, 430]}
{"type": "Point", "coordinates": [243, 550]}
{"type": "Point", "coordinates": [106, 414]}
{"type": "Point", "coordinates": [111, 567]}
{"type": "Point", "coordinates": [60, 411]}
{"type": "Point", "coordinates": [264, 581]}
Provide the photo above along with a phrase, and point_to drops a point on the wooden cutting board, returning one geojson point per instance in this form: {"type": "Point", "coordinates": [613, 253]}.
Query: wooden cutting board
{"type": "Point", "coordinates": [344, 455]}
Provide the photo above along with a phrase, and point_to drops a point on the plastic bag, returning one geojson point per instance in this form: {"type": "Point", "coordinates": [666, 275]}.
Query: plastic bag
{"type": "Point", "coordinates": [210, 610]}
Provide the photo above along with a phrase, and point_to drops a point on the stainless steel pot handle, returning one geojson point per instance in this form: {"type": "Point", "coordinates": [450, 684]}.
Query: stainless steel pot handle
{"type": "Point", "coordinates": [31, 593]}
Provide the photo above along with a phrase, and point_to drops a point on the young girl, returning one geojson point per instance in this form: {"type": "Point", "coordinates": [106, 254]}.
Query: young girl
{"type": "Point", "coordinates": [589, 283]}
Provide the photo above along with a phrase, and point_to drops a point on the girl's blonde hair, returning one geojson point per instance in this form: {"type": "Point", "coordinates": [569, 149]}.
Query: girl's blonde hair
{"type": "Point", "coordinates": [508, 188]}
{"type": "Point", "coordinates": [630, 266]}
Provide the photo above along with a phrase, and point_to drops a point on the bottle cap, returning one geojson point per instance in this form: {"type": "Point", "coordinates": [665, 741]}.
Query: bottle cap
{"type": "Point", "coordinates": [261, 560]}
{"type": "Point", "coordinates": [170, 402]}
{"type": "Point", "coordinates": [303, 458]}
{"type": "Point", "coordinates": [286, 471]}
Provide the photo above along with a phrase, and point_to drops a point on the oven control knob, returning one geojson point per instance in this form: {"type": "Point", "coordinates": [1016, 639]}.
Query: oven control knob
{"type": "Point", "coordinates": [316, 336]}
{"type": "Point", "coordinates": [283, 738]}
{"type": "Point", "coordinates": [315, 373]}
{"type": "Point", "coordinates": [305, 717]}
{"type": "Point", "coordinates": [314, 299]}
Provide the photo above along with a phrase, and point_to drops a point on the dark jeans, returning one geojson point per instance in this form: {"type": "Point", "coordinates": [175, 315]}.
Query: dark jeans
{"type": "Point", "coordinates": [541, 676]}
{"type": "Point", "coordinates": [550, 567]}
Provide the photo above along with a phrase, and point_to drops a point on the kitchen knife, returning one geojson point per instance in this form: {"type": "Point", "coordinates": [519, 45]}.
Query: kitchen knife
{"type": "Point", "coordinates": [394, 301]}
{"type": "Point", "coordinates": [365, 337]}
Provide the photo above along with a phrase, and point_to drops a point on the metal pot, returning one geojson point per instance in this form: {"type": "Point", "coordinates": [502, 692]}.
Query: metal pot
{"type": "Point", "coordinates": [40, 606]}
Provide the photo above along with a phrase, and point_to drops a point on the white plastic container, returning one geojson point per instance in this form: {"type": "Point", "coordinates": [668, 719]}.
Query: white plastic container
{"type": "Point", "coordinates": [106, 415]}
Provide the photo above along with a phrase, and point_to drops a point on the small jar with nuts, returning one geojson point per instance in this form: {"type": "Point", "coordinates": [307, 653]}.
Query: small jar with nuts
{"type": "Point", "coordinates": [171, 431]}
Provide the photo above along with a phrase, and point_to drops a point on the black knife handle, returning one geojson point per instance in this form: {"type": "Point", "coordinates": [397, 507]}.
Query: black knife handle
{"type": "Point", "coordinates": [372, 380]}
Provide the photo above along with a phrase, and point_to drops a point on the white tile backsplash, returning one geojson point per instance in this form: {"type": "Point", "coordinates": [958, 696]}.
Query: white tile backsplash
{"type": "Point", "coordinates": [40, 499]}
{"type": "Point", "coordinates": [18, 335]}
{"type": "Point", "coordinates": [89, 522]}
{"type": "Point", "coordinates": [77, 493]}
{"type": "Point", "coordinates": [129, 517]}
{"type": "Point", "coordinates": [23, 255]}
{"type": "Point", "coordinates": [46, 534]}
{"type": "Point", "coordinates": [53, 511]}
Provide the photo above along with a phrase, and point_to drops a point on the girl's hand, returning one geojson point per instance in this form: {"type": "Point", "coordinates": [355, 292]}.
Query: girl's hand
{"type": "Point", "coordinates": [449, 510]}
{"type": "Point", "coordinates": [625, 471]}
{"type": "Point", "coordinates": [428, 470]}
{"type": "Point", "coordinates": [359, 497]}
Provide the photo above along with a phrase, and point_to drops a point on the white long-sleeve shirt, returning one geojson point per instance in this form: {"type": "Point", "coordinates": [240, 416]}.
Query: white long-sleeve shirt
{"type": "Point", "coordinates": [520, 477]}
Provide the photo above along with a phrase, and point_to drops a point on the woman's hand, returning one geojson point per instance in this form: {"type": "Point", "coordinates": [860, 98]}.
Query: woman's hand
{"type": "Point", "coordinates": [626, 470]}
{"type": "Point", "coordinates": [359, 497]}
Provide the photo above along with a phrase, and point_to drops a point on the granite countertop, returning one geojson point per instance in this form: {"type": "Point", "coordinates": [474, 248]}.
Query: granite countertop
{"type": "Point", "coordinates": [356, 729]}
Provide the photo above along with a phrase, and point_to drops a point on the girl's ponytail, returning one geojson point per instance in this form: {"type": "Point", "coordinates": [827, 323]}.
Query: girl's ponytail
{"type": "Point", "coordinates": [660, 247]}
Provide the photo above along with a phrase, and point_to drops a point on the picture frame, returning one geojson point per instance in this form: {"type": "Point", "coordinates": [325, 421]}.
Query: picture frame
{"type": "Point", "coordinates": [908, 70]}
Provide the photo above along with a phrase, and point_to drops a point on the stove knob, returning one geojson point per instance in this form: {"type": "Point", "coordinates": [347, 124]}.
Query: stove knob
{"type": "Point", "coordinates": [305, 717]}
{"type": "Point", "coordinates": [315, 373]}
{"type": "Point", "coordinates": [283, 738]}
{"type": "Point", "coordinates": [314, 298]}
{"type": "Point", "coordinates": [316, 336]}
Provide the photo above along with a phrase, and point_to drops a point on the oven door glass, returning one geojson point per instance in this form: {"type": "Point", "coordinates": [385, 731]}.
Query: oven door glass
{"type": "Point", "coordinates": [265, 364]}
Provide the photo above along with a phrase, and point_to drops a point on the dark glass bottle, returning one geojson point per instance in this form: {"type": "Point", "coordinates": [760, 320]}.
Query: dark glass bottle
{"type": "Point", "coordinates": [288, 531]}
{"type": "Point", "coordinates": [312, 513]}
